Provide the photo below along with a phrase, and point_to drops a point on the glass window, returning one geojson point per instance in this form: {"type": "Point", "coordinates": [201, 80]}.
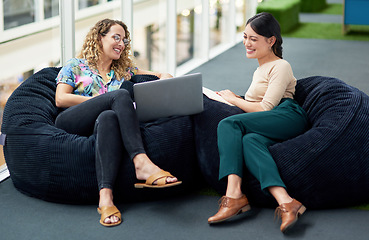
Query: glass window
{"type": "Point", "coordinates": [18, 12]}
{"type": "Point", "coordinates": [51, 8]}
{"type": "Point", "coordinates": [149, 34]}
{"type": "Point", "coordinates": [188, 29]}
{"type": "Point", "coordinates": [218, 21]}
{"type": "Point", "coordinates": [23, 56]}
{"type": "Point", "coordinates": [87, 3]}
{"type": "Point", "coordinates": [240, 15]}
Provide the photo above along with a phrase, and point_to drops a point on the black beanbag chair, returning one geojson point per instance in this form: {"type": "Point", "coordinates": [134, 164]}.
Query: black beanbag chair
{"type": "Point", "coordinates": [326, 167]}
{"type": "Point", "coordinates": [51, 164]}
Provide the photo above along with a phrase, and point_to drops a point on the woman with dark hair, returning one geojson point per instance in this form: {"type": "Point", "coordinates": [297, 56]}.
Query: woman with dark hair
{"type": "Point", "coordinates": [271, 116]}
{"type": "Point", "coordinates": [89, 87]}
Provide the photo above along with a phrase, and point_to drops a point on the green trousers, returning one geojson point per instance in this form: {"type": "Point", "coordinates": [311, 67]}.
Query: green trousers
{"type": "Point", "coordinates": [243, 140]}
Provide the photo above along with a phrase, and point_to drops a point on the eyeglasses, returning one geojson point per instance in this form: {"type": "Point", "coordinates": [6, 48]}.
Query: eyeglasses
{"type": "Point", "coordinates": [118, 38]}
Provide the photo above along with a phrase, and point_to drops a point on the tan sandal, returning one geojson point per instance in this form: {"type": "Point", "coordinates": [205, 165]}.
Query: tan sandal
{"type": "Point", "coordinates": [106, 212]}
{"type": "Point", "coordinates": [161, 181]}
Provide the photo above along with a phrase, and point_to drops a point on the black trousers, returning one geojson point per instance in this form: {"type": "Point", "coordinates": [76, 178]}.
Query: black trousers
{"type": "Point", "coordinates": [112, 117]}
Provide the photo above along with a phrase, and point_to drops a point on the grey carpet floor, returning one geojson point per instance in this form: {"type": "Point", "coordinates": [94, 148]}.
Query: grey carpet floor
{"type": "Point", "coordinates": [185, 218]}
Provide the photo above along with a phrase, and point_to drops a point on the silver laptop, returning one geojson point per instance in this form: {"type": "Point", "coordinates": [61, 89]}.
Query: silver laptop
{"type": "Point", "coordinates": [176, 96]}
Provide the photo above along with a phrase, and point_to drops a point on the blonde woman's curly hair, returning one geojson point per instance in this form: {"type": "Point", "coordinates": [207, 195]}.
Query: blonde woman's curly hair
{"type": "Point", "coordinates": [92, 48]}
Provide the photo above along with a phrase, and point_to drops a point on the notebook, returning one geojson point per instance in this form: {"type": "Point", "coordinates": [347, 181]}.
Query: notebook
{"type": "Point", "coordinates": [176, 96]}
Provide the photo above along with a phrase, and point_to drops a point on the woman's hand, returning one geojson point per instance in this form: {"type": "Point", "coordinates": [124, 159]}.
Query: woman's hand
{"type": "Point", "coordinates": [238, 101]}
{"type": "Point", "coordinates": [165, 75]}
{"type": "Point", "coordinates": [228, 95]}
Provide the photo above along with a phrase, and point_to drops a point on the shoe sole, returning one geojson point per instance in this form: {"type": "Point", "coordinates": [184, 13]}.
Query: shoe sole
{"type": "Point", "coordinates": [242, 210]}
{"type": "Point", "coordinates": [167, 185]}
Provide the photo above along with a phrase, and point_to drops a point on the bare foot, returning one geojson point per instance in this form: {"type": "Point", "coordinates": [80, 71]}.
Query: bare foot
{"type": "Point", "coordinates": [106, 199]}
{"type": "Point", "coordinates": [145, 168]}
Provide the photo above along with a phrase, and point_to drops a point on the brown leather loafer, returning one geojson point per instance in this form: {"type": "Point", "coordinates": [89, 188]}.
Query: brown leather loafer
{"type": "Point", "coordinates": [289, 213]}
{"type": "Point", "coordinates": [230, 207]}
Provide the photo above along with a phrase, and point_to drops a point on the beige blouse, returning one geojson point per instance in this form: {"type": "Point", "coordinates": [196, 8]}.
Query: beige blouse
{"type": "Point", "coordinates": [271, 82]}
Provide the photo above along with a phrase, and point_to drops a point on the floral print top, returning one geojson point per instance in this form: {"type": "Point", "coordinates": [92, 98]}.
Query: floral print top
{"type": "Point", "coordinates": [86, 81]}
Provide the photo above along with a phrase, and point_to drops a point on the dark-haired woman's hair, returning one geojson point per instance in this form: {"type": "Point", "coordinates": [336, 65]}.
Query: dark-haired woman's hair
{"type": "Point", "coordinates": [266, 25]}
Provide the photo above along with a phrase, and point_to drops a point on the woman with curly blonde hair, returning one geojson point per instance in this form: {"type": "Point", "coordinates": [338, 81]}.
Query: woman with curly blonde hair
{"type": "Point", "coordinates": [89, 88]}
{"type": "Point", "coordinates": [91, 49]}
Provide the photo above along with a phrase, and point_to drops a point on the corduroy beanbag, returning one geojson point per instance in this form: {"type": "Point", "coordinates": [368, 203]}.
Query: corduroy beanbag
{"type": "Point", "coordinates": [327, 166]}
{"type": "Point", "coordinates": [48, 163]}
